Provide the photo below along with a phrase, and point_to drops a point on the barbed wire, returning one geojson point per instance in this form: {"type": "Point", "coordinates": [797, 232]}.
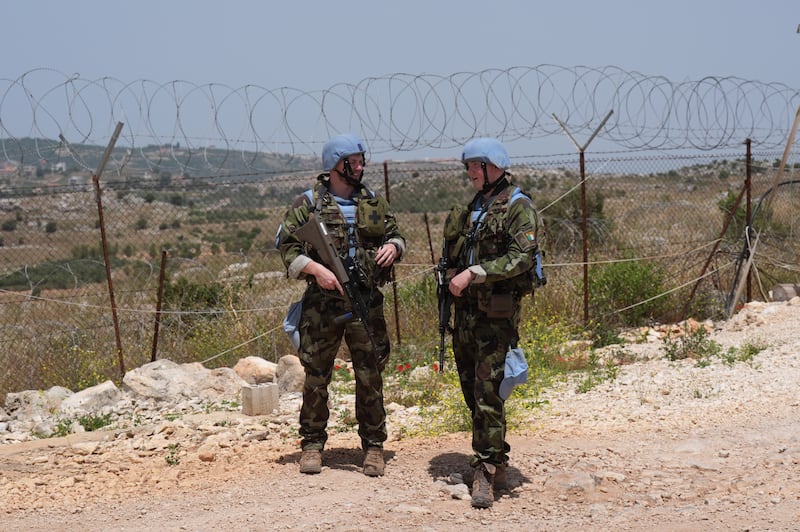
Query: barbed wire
{"type": "Point", "coordinates": [399, 112]}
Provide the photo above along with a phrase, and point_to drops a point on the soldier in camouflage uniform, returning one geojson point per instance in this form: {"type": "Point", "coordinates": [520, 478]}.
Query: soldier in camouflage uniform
{"type": "Point", "coordinates": [492, 242]}
{"type": "Point", "coordinates": [363, 228]}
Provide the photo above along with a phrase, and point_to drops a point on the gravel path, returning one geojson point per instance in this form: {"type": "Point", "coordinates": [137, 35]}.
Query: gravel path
{"type": "Point", "coordinates": [664, 446]}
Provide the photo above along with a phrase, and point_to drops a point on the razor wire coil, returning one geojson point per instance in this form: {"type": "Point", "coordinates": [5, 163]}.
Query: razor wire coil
{"type": "Point", "coordinates": [399, 112]}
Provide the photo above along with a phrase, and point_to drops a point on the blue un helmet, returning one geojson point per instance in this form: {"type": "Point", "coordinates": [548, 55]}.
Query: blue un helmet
{"type": "Point", "coordinates": [341, 146]}
{"type": "Point", "coordinates": [487, 150]}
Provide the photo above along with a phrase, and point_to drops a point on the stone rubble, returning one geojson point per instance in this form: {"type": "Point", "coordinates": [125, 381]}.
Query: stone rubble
{"type": "Point", "coordinates": [652, 441]}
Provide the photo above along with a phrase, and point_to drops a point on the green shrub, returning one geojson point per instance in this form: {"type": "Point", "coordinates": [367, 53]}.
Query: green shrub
{"type": "Point", "coordinates": [627, 292]}
{"type": "Point", "coordinates": [192, 304]}
{"type": "Point", "coordinates": [690, 343]}
{"type": "Point", "coordinates": [56, 275]}
{"type": "Point", "coordinates": [72, 362]}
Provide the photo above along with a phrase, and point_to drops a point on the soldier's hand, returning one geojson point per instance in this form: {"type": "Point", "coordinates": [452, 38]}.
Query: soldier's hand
{"type": "Point", "coordinates": [325, 278]}
{"type": "Point", "coordinates": [386, 255]}
{"type": "Point", "coordinates": [460, 282]}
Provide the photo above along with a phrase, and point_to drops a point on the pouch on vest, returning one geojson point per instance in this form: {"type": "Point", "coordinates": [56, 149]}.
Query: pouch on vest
{"type": "Point", "coordinates": [291, 322]}
{"type": "Point", "coordinates": [453, 237]}
{"type": "Point", "coordinates": [454, 222]}
{"type": "Point", "coordinates": [308, 194]}
{"type": "Point", "coordinates": [371, 216]}
{"type": "Point", "coordinates": [498, 306]}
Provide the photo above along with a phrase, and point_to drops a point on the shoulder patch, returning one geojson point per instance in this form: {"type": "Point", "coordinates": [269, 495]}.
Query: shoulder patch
{"type": "Point", "coordinates": [526, 240]}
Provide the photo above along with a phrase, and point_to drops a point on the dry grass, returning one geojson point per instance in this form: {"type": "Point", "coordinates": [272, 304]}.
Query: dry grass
{"type": "Point", "coordinates": [671, 221]}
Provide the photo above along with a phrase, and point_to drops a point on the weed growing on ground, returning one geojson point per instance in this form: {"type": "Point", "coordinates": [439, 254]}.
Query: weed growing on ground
{"type": "Point", "coordinates": [223, 405]}
{"type": "Point", "coordinates": [63, 428]}
{"type": "Point", "coordinates": [445, 410]}
{"type": "Point", "coordinates": [696, 344]}
{"type": "Point", "coordinates": [89, 422]}
{"type": "Point", "coordinates": [693, 344]}
{"type": "Point", "coordinates": [92, 422]}
{"type": "Point", "coordinates": [173, 450]}
{"type": "Point", "coordinates": [747, 352]}
{"type": "Point", "coordinates": [597, 373]}
{"type": "Point", "coordinates": [551, 355]}
{"type": "Point", "coordinates": [346, 420]}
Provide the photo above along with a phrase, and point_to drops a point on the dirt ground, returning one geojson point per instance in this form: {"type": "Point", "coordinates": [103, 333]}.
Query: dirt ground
{"type": "Point", "coordinates": [666, 446]}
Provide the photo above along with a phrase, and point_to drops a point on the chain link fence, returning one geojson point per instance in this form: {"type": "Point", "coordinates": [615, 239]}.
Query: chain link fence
{"type": "Point", "coordinates": [195, 276]}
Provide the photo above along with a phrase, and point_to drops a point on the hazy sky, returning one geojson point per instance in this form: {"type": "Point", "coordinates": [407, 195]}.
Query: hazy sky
{"type": "Point", "coordinates": [314, 44]}
{"type": "Point", "coordinates": [311, 44]}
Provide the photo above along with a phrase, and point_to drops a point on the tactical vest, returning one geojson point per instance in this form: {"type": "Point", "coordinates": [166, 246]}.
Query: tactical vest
{"type": "Point", "coordinates": [491, 241]}
{"type": "Point", "coordinates": [359, 240]}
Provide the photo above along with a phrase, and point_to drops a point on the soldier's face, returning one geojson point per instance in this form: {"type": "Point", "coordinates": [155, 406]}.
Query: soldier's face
{"type": "Point", "coordinates": [475, 173]}
{"type": "Point", "coordinates": [352, 165]}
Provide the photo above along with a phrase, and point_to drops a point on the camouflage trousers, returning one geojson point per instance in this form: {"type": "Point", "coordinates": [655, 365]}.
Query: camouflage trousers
{"type": "Point", "coordinates": [320, 339]}
{"type": "Point", "coordinates": [480, 345]}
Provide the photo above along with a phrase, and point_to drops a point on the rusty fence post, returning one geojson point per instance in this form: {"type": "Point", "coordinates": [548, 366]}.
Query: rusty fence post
{"type": "Point", "coordinates": [394, 281]}
{"type": "Point", "coordinates": [104, 239]}
{"type": "Point", "coordinates": [157, 320]}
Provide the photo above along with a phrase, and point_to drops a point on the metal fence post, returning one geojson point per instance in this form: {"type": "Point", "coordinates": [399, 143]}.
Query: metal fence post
{"type": "Point", "coordinates": [584, 214]}
{"type": "Point", "coordinates": [107, 260]}
{"type": "Point", "coordinates": [394, 281]}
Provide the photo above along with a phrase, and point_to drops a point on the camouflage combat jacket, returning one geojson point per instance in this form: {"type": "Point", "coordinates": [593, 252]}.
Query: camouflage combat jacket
{"type": "Point", "coordinates": [505, 245]}
{"type": "Point", "coordinates": [375, 226]}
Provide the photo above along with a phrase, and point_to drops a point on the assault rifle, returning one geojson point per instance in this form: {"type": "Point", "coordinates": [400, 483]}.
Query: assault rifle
{"type": "Point", "coordinates": [442, 288]}
{"type": "Point", "coordinates": [315, 233]}
{"type": "Point", "coordinates": [445, 301]}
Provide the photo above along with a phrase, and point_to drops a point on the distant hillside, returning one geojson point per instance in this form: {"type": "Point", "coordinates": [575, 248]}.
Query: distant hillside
{"type": "Point", "coordinates": [35, 157]}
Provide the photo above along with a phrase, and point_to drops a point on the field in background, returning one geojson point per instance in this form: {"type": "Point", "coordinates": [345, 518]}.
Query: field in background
{"type": "Point", "coordinates": [224, 292]}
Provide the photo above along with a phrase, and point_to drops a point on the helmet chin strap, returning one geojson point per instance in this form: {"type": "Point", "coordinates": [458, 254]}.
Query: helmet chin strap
{"type": "Point", "coordinates": [491, 187]}
{"type": "Point", "coordinates": [348, 175]}
{"type": "Point", "coordinates": [486, 185]}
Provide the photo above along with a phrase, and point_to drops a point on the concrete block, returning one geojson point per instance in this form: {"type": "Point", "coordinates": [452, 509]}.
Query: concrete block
{"type": "Point", "coordinates": [785, 292]}
{"type": "Point", "coordinates": [259, 399]}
